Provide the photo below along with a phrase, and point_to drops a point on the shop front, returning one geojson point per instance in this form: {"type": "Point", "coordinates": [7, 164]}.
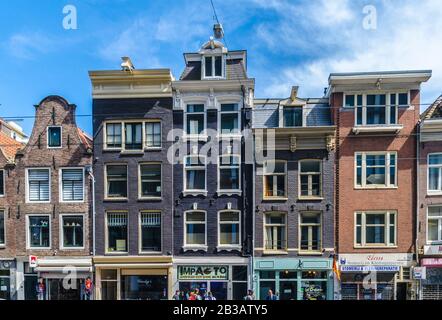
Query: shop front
{"type": "Point", "coordinates": [431, 283]}
{"type": "Point", "coordinates": [133, 278]}
{"type": "Point", "coordinates": [226, 278]}
{"type": "Point", "coordinates": [375, 276]}
{"type": "Point", "coordinates": [294, 278]}
{"type": "Point", "coordinates": [7, 279]}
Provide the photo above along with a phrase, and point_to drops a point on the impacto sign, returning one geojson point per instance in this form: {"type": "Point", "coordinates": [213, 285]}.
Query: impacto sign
{"type": "Point", "coordinates": [203, 272]}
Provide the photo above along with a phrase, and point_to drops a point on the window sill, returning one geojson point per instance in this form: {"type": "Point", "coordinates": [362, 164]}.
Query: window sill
{"type": "Point", "coordinates": [229, 136]}
{"type": "Point", "coordinates": [115, 199]}
{"type": "Point", "coordinates": [37, 202]}
{"type": "Point", "coordinates": [150, 253]}
{"type": "Point", "coordinates": [71, 202]}
{"type": "Point", "coordinates": [150, 199]}
{"type": "Point", "coordinates": [395, 128]}
{"type": "Point", "coordinates": [434, 194]}
{"type": "Point", "coordinates": [229, 192]}
{"type": "Point", "coordinates": [275, 199]}
{"type": "Point", "coordinates": [134, 152]}
{"type": "Point", "coordinates": [72, 249]}
{"type": "Point", "coordinates": [195, 248]}
{"type": "Point", "coordinates": [378, 187]}
{"type": "Point", "coordinates": [204, 138]}
{"type": "Point", "coordinates": [38, 248]}
{"type": "Point", "coordinates": [310, 198]}
{"type": "Point", "coordinates": [116, 253]}
{"type": "Point", "coordinates": [195, 193]}
{"type": "Point", "coordinates": [153, 148]}
{"type": "Point", "coordinates": [375, 247]}
{"type": "Point", "coordinates": [310, 253]}
{"type": "Point", "coordinates": [112, 150]}
{"type": "Point", "coordinates": [275, 252]}
{"type": "Point", "coordinates": [228, 248]}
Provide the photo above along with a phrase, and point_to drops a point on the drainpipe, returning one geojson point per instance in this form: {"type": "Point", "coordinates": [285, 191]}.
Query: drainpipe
{"type": "Point", "coordinates": [417, 200]}
{"type": "Point", "coordinates": [91, 174]}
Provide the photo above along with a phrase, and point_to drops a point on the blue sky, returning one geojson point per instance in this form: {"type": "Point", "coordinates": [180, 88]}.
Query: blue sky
{"type": "Point", "coordinates": [296, 42]}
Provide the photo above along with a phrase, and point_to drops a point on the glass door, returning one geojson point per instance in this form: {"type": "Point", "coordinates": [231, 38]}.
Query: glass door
{"type": "Point", "coordinates": [219, 290]}
{"type": "Point", "coordinates": [4, 285]}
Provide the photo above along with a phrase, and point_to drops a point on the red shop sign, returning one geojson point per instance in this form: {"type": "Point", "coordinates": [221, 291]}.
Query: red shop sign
{"type": "Point", "coordinates": [432, 262]}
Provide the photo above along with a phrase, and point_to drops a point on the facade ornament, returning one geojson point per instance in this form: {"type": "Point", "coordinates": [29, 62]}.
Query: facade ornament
{"type": "Point", "coordinates": [330, 143]}
{"type": "Point", "coordinates": [293, 143]}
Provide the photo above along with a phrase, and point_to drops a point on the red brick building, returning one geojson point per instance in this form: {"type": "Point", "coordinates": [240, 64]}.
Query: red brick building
{"type": "Point", "coordinates": [376, 116]}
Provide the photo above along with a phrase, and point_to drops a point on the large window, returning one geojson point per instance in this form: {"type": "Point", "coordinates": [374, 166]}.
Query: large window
{"type": "Point", "coordinates": [435, 173]}
{"type": "Point", "coordinates": [195, 174]}
{"type": "Point", "coordinates": [376, 169]}
{"type": "Point", "coordinates": [38, 185]}
{"type": "Point", "coordinates": [39, 231]}
{"type": "Point", "coordinates": [229, 118]}
{"type": "Point", "coordinates": [72, 231]}
{"type": "Point", "coordinates": [275, 179]}
{"type": "Point", "coordinates": [117, 232]}
{"type": "Point", "coordinates": [72, 184]}
{"type": "Point", "coordinates": [310, 179]}
{"type": "Point", "coordinates": [2, 228]}
{"type": "Point", "coordinates": [116, 177]}
{"type": "Point", "coordinates": [376, 109]}
{"type": "Point", "coordinates": [375, 229]}
{"type": "Point", "coordinates": [153, 134]}
{"type": "Point", "coordinates": [195, 119]}
{"type": "Point", "coordinates": [434, 224]}
{"type": "Point", "coordinates": [150, 231]}
{"type": "Point", "coordinates": [195, 228]}
{"type": "Point", "coordinates": [213, 66]}
{"type": "Point", "coordinates": [54, 137]}
{"type": "Point", "coordinates": [113, 136]}
{"type": "Point", "coordinates": [310, 231]}
{"type": "Point", "coordinates": [229, 172]}
{"type": "Point", "coordinates": [275, 231]}
{"type": "Point", "coordinates": [109, 284]}
{"type": "Point", "coordinates": [292, 117]}
{"type": "Point", "coordinates": [150, 174]}
{"type": "Point", "coordinates": [229, 228]}
{"type": "Point", "coordinates": [2, 183]}
{"type": "Point", "coordinates": [133, 139]}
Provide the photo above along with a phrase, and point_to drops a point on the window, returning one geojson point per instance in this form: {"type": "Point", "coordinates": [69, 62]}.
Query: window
{"type": "Point", "coordinates": [2, 228]}
{"type": "Point", "coordinates": [54, 137]}
{"type": "Point", "coordinates": [153, 134]}
{"type": "Point", "coordinates": [2, 183]}
{"type": "Point", "coordinates": [375, 229]}
{"type": "Point", "coordinates": [39, 232]}
{"type": "Point", "coordinates": [133, 139]}
{"type": "Point", "coordinates": [72, 184]}
{"type": "Point", "coordinates": [195, 119]}
{"type": "Point", "coordinates": [109, 283]}
{"type": "Point", "coordinates": [229, 228]}
{"type": "Point", "coordinates": [150, 231]}
{"type": "Point", "coordinates": [117, 232]}
{"type": "Point", "coordinates": [376, 170]}
{"type": "Point", "coordinates": [310, 178]}
{"type": "Point", "coordinates": [213, 66]}
{"type": "Point", "coordinates": [73, 231]}
{"type": "Point", "coordinates": [292, 116]}
{"type": "Point", "coordinates": [275, 231]}
{"type": "Point", "coordinates": [150, 180]}
{"type": "Point", "coordinates": [38, 185]}
{"type": "Point", "coordinates": [116, 177]}
{"type": "Point", "coordinates": [435, 173]}
{"type": "Point", "coordinates": [310, 235]}
{"type": "Point", "coordinates": [275, 175]}
{"type": "Point", "coordinates": [195, 228]}
{"type": "Point", "coordinates": [229, 172]}
{"type": "Point", "coordinates": [195, 173]}
{"type": "Point", "coordinates": [113, 135]}
{"type": "Point", "coordinates": [434, 224]}
{"type": "Point", "coordinates": [229, 118]}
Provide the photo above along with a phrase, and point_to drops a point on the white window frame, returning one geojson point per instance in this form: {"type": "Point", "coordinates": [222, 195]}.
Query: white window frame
{"type": "Point", "coordinates": [194, 247]}
{"type": "Point", "coordinates": [439, 219]}
{"type": "Point", "coordinates": [105, 147]}
{"type": "Point", "coordinates": [265, 225]}
{"type": "Point", "coordinates": [220, 113]}
{"type": "Point", "coordinates": [320, 225]}
{"type": "Point", "coordinates": [27, 184]}
{"type": "Point", "coordinates": [197, 137]}
{"type": "Point", "coordinates": [140, 182]}
{"type": "Point", "coordinates": [281, 115]}
{"type": "Point", "coordinates": [28, 236]}
{"type": "Point", "coordinates": [229, 246]}
{"type": "Point", "coordinates": [61, 231]}
{"type": "Point", "coordinates": [3, 173]}
{"type": "Point", "coordinates": [143, 129]}
{"type": "Point", "coordinates": [3, 212]}
{"type": "Point", "coordinates": [220, 166]}
{"type": "Point", "coordinates": [364, 184]}
{"type": "Point", "coordinates": [140, 237]}
{"type": "Point", "coordinates": [61, 137]}
{"type": "Point", "coordinates": [194, 191]}
{"type": "Point", "coordinates": [223, 66]}
{"type": "Point", "coordinates": [106, 197]}
{"type": "Point", "coordinates": [149, 121]}
{"type": "Point", "coordinates": [60, 184]}
{"type": "Point", "coordinates": [438, 166]}
{"type": "Point", "coordinates": [387, 225]}
{"type": "Point", "coordinates": [106, 232]}
{"type": "Point", "coordinates": [264, 175]}
{"type": "Point", "coordinates": [310, 174]}
{"type": "Point", "coordinates": [364, 106]}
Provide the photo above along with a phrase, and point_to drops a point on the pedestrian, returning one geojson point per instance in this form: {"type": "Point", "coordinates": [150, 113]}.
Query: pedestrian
{"type": "Point", "coordinates": [198, 295]}
{"type": "Point", "coordinates": [177, 295]}
{"type": "Point", "coordinates": [192, 296]}
{"type": "Point", "coordinates": [209, 296]}
{"type": "Point", "coordinates": [183, 296]}
{"type": "Point", "coordinates": [271, 296]}
{"type": "Point", "coordinates": [40, 288]}
{"type": "Point", "coordinates": [249, 295]}
{"type": "Point", "coordinates": [88, 289]}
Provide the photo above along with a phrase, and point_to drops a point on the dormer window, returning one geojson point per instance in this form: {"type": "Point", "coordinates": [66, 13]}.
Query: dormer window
{"type": "Point", "coordinates": [213, 66]}
{"type": "Point", "coordinates": [54, 137]}
{"type": "Point", "coordinates": [292, 117]}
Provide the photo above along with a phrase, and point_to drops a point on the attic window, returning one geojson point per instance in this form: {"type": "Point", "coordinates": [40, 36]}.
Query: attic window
{"type": "Point", "coordinates": [54, 137]}
{"type": "Point", "coordinates": [292, 117]}
{"type": "Point", "coordinates": [213, 66]}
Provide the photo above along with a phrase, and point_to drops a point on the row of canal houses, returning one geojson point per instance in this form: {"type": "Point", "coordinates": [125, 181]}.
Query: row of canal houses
{"type": "Point", "coordinates": [196, 183]}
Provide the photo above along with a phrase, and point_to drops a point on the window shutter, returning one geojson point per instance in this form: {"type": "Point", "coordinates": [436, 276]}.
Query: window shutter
{"type": "Point", "coordinates": [38, 184]}
{"type": "Point", "coordinates": [72, 184]}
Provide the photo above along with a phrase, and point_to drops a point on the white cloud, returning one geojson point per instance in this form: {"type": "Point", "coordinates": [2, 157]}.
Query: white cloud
{"type": "Point", "coordinates": [29, 45]}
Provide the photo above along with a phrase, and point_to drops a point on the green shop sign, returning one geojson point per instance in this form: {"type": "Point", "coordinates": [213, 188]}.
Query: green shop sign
{"type": "Point", "coordinates": [203, 272]}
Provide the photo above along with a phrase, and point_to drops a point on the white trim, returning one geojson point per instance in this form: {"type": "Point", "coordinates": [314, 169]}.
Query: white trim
{"type": "Point", "coordinates": [226, 99]}
{"type": "Point", "coordinates": [439, 218]}
{"type": "Point", "coordinates": [387, 244]}
{"type": "Point", "coordinates": [275, 251]}
{"type": "Point", "coordinates": [229, 191]}
{"type": "Point", "coordinates": [140, 182]}
{"type": "Point", "coordinates": [60, 184]}
{"type": "Point", "coordinates": [106, 232]}
{"type": "Point", "coordinates": [145, 134]}
{"type": "Point", "coordinates": [140, 234]}
{"type": "Point", "coordinates": [264, 174]}
{"type": "Point", "coordinates": [27, 184]}
{"type": "Point", "coordinates": [321, 233]}
{"type": "Point", "coordinates": [387, 167]}
{"type": "Point", "coordinates": [61, 137]}
{"type": "Point", "coordinates": [195, 191]}
{"type": "Point", "coordinates": [197, 100]}
{"type": "Point", "coordinates": [194, 247]}
{"type": "Point", "coordinates": [213, 56]}
{"type": "Point", "coordinates": [28, 246]}
{"type": "Point", "coordinates": [309, 175]}
{"type": "Point", "coordinates": [61, 231]}
{"type": "Point", "coordinates": [439, 182]}
{"type": "Point", "coordinates": [106, 197]}
{"type": "Point", "coordinates": [229, 246]}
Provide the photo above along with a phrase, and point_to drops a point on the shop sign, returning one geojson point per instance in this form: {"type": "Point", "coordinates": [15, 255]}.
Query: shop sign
{"type": "Point", "coordinates": [419, 273]}
{"type": "Point", "coordinates": [433, 250]}
{"type": "Point", "coordinates": [386, 259]}
{"type": "Point", "coordinates": [346, 268]}
{"type": "Point", "coordinates": [203, 272]}
{"type": "Point", "coordinates": [427, 262]}
{"type": "Point", "coordinates": [33, 261]}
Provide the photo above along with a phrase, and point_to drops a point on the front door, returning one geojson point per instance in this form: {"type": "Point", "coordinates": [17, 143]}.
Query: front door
{"type": "Point", "coordinates": [31, 286]}
{"type": "Point", "coordinates": [57, 290]}
{"type": "Point", "coordinates": [219, 290]}
{"type": "Point", "coordinates": [401, 293]}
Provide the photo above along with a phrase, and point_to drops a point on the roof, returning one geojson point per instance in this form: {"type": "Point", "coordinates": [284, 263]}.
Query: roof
{"type": "Point", "coordinates": [235, 70]}
{"type": "Point", "coordinates": [85, 139]}
{"type": "Point", "coordinates": [9, 146]}
{"type": "Point", "coordinates": [434, 111]}
{"type": "Point", "coordinates": [409, 76]}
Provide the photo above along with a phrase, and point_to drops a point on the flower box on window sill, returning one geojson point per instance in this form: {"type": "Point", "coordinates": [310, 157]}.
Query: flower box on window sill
{"type": "Point", "coordinates": [389, 128]}
{"type": "Point", "coordinates": [195, 248]}
{"type": "Point", "coordinates": [195, 193]}
{"type": "Point", "coordinates": [228, 248]}
{"type": "Point", "coordinates": [229, 192]}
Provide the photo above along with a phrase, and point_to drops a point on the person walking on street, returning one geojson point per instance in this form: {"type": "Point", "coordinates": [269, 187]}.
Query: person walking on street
{"type": "Point", "coordinates": [209, 296]}
{"type": "Point", "coordinates": [40, 289]}
{"type": "Point", "coordinates": [249, 295]}
{"type": "Point", "coordinates": [271, 296]}
{"type": "Point", "coordinates": [176, 296]}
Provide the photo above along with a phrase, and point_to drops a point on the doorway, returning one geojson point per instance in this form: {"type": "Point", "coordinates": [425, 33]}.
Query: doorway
{"type": "Point", "coordinates": [401, 291]}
